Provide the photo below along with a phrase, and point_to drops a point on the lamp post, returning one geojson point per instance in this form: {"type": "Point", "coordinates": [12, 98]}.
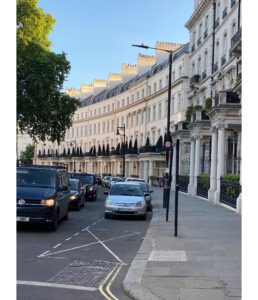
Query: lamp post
{"type": "Point", "coordinates": [118, 133]}
{"type": "Point", "coordinates": [168, 142]}
{"type": "Point", "coordinates": [74, 162]}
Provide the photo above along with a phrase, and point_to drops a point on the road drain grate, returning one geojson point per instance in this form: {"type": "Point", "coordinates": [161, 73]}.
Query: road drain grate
{"type": "Point", "coordinates": [82, 273]}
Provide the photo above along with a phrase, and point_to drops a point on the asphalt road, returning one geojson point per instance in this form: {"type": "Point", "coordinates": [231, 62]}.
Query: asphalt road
{"type": "Point", "coordinates": [86, 258]}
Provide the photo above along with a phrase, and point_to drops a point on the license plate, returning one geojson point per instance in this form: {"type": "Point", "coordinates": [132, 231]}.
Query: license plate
{"type": "Point", "coordinates": [22, 219]}
{"type": "Point", "coordinates": [124, 209]}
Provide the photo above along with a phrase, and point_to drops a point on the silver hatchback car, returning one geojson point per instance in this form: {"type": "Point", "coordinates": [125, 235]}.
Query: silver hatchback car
{"type": "Point", "coordinates": [125, 198]}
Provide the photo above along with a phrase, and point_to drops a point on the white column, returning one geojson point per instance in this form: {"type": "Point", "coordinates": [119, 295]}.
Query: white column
{"type": "Point", "coordinates": [221, 161]}
{"type": "Point", "coordinates": [173, 183]}
{"type": "Point", "coordinates": [150, 170]}
{"type": "Point", "coordinates": [115, 168]}
{"type": "Point", "coordinates": [197, 163]}
{"type": "Point", "coordinates": [141, 169]}
{"type": "Point", "coordinates": [213, 172]}
{"type": "Point", "coordinates": [128, 170]}
{"type": "Point", "coordinates": [145, 171]}
{"type": "Point", "coordinates": [191, 175]}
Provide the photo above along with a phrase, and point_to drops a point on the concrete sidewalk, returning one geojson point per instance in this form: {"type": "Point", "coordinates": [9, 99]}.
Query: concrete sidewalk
{"type": "Point", "coordinates": [202, 263]}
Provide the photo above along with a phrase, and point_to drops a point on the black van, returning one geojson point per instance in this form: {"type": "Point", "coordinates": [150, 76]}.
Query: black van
{"type": "Point", "coordinates": [42, 194]}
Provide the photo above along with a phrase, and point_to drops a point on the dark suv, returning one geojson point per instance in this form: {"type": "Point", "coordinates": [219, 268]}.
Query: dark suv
{"type": "Point", "coordinates": [42, 194]}
{"type": "Point", "coordinates": [88, 180]}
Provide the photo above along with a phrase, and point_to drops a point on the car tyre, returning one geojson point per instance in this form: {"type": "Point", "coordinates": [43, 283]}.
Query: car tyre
{"type": "Point", "coordinates": [66, 216]}
{"type": "Point", "coordinates": [107, 216]}
{"type": "Point", "coordinates": [53, 226]}
{"type": "Point", "coordinates": [78, 207]}
{"type": "Point", "coordinates": [143, 217]}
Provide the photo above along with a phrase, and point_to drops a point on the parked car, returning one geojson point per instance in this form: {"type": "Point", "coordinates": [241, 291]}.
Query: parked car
{"type": "Point", "coordinates": [42, 195]}
{"type": "Point", "coordinates": [135, 179]}
{"type": "Point", "coordinates": [77, 194]}
{"type": "Point", "coordinates": [105, 181]}
{"type": "Point", "coordinates": [98, 179]}
{"type": "Point", "coordinates": [125, 198]}
{"type": "Point", "coordinates": [88, 180]}
{"type": "Point", "coordinates": [114, 180]}
{"type": "Point", "coordinates": [147, 193]}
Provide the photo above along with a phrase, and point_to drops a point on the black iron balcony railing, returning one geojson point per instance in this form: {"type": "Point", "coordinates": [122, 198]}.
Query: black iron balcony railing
{"type": "Point", "coordinates": [195, 79]}
{"type": "Point", "coordinates": [216, 23]}
{"type": "Point", "coordinates": [193, 48]}
{"type": "Point", "coordinates": [199, 41]}
{"type": "Point", "coordinates": [223, 59]}
{"type": "Point", "coordinates": [233, 2]}
{"type": "Point", "coordinates": [226, 97]}
{"type": "Point", "coordinates": [236, 38]}
{"type": "Point", "coordinates": [204, 75]}
{"type": "Point", "coordinates": [215, 67]}
{"type": "Point", "coordinates": [205, 34]}
{"type": "Point", "coordinates": [224, 13]}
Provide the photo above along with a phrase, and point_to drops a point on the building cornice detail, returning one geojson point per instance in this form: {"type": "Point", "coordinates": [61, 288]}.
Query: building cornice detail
{"type": "Point", "coordinates": [197, 13]}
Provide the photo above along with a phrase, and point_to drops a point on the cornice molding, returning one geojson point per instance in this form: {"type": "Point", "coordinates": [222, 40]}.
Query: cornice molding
{"type": "Point", "coordinates": [197, 13]}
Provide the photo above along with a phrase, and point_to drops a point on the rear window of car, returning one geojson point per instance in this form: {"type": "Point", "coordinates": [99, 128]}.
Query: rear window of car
{"type": "Point", "coordinates": [126, 190]}
{"type": "Point", "coordinates": [85, 178]}
{"type": "Point", "coordinates": [36, 178]}
{"type": "Point", "coordinates": [117, 179]}
{"type": "Point", "coordinates": [74, 184]}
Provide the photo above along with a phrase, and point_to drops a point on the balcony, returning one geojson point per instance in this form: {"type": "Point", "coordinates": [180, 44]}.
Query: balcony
{"type": "Point", "coordinates": [205, 34]}
{"type": "Point", "coordinates": [233, 2]}
{"type": "Point", "coordinates": [199, 41]}
{"type": "Point", "coordinates": [215, 67]}
{"type": "Point", "coordinates": [224, 13]}
{"type": "Point", "coordinates": [216, 23]}
{"type": "Point", "coordinates": [204, 75]}
{"type": "Point", "coordinates": [226, 97]}
{"type": "Point", "coordinates": [199, 115]}
{"type": "Point", "coordinates": [223, 59]}
{"type": "Point", "coordinates": [195, 79]}
{"type": "Point", "coordinates": [193, 48]}
{"type": "Point", "coordinates": [236, 47]}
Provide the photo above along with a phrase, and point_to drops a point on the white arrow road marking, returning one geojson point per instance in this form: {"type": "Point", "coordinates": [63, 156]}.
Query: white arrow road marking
{"type": "Point", "coordinates": [57, 285]}
{"type": "Point", "coordinates": [86, 245]}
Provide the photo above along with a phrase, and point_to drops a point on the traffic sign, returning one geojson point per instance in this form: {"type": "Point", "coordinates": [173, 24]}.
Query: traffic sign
{"type": "Point", "coordinates": [168, 144]}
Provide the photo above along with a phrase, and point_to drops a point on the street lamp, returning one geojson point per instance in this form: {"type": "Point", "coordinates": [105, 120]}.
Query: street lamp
{"type": "Point", "coordinates": [118, 133]}
{"type": "Point", "coordinates": [168, 142]}
{"type": "Point", "coordinates": [74, 163]}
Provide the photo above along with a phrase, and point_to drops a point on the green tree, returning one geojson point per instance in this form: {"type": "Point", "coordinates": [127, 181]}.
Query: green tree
{"type": "Point", "coordinates": [27, 155]}
{"type": "Point", "coordinates": [43, 110]}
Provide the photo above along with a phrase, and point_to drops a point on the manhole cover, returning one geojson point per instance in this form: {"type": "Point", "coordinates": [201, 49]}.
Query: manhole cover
{"type": "Point", "coordinates": [82, 273]}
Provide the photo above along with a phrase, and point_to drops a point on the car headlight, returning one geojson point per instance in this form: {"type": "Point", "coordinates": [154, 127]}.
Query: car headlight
{"type": "Point", "coordinates": [109, 202]}
{"type": "Point", "coordinates": [47, 202]}
{"type": "Point", "coordinates": [91, 188]}
{"type": "Point", "coordinates": [140, 203]}
{"type": "Point", "coordinates": [74, 196]}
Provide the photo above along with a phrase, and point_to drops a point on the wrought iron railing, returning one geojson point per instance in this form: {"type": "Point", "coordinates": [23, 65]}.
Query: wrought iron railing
{"type": "Point", "coordinates": [236, 38]}
{"type": "Point", "coordinates": [229, 191]}
{"type": "Point", "coordinates": [203, 185]}
{"type": "Point", "coordinates": [183, 181]}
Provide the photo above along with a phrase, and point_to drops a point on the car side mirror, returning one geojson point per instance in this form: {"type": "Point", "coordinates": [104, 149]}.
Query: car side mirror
{"type": "Point", "coordinates": [146, 194]}
{"type": "Point", "coordinates": [106, 192]}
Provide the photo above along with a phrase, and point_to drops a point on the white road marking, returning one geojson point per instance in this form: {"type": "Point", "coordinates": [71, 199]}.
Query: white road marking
{"type": "Point", "coordinates": [109, 250]}
{"type": "Point", "coordinates": [57, 285]}
{"type": "Point", "coordinates": [68, 239]}
{"type": "Point", "coordinates": [85, 245]}
{"type": "Point", "coordinates": [76, 233]}
{"type": "Point", "coordinates": [94, 223]}
{"type": "Point", "coordinates": [57, 245]}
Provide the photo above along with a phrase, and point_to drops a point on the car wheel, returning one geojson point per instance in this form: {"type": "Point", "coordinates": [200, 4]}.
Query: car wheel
{"type": "Point", "coordinates": [78, 207]}
{"type": "Point", "coordinates": [66, 217]}
{"type": "Point", "coordinates": [83, 203]}
{"type": "Point", "coordinates": [53, 226]}
{"type": "Point", "coordinates": [107, 216]}
{"type": "Point", "coordinates": [150, 207]}
{"type": "Point", "coordinates": [143, 217]}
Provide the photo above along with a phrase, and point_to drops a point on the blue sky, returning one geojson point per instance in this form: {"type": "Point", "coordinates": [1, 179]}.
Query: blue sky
{"type": "Point", "coordinates": [97, 35]}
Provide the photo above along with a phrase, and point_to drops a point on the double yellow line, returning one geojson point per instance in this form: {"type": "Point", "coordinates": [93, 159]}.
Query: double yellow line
{"type": "Point", "coordinates": [104, 288]}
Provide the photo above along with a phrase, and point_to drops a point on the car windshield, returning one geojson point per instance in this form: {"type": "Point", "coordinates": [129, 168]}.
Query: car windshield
{"type": "Point", "coordinates": [74, 184]}
{"type": "Point", "coordinates": [36, 178]}
{"type": "Point", "coordinates": [116, 179]}
{"type": "Point", "coordinates": [126, 190]}
{"type": "Point", "coordinates": [85, 178]}
{"type": "Point", "coordinates": [144, 187]}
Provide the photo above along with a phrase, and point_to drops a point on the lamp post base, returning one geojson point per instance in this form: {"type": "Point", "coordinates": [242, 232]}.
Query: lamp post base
{"type": "Point", "coordinates": [166, 194]}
